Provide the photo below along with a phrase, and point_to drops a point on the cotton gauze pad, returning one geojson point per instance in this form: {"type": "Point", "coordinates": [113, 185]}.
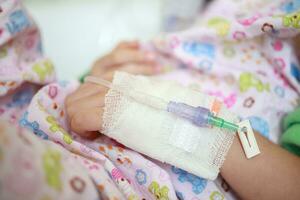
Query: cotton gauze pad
{"type": "Point", "coordinates": [162, 135]}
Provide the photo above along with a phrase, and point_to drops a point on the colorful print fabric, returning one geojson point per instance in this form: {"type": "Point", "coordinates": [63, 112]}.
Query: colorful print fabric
{"type": "Point", "coordinates": [242, 52]}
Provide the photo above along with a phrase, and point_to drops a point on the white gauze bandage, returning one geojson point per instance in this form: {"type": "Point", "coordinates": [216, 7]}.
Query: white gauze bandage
{"type": "Point", "coordinates": [162, 135]}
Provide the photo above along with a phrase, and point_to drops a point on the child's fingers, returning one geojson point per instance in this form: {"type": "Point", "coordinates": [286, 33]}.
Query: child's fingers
{"type": "Point", "coordinates": [87, 120]}
{"type": "Point", "coordinates": [84, 90]}
{"type": "Point", "coordinates": [121, 57]}
{"type": "Point", "coordinates": [92, 101]}
{"type": "Point", "coordinates": [88, 89]}
{"type": "Point", "coordinates": [85, 110]}
{"type": "Point", "coordinates": [124, 56]}
{"type": "Point", "coordinates": [141, 69]}
{"type": "Point", "coordinates": [128, 44]}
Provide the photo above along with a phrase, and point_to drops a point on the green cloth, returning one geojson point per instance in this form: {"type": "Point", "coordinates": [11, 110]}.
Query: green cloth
{"type": "Point", "coordinates": [81, 78]}
{"type": "Point", "coordinates": [290, 139]}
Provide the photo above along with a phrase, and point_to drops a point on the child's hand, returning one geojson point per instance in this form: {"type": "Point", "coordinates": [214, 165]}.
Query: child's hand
{"type": "Point", "coordinates": [85, 106]}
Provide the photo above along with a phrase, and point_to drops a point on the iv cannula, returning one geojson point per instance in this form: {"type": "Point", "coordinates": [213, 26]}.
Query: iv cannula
{"type": "Point", "coordinates": [200, 116]}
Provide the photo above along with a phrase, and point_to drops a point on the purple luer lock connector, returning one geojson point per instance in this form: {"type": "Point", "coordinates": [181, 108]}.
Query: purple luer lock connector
{"type": "Point", "coordinates": [197, 115]}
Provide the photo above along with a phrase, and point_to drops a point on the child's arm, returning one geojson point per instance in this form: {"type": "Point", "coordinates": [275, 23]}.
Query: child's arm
{"type": "Point", "coordinates": [274, 174]}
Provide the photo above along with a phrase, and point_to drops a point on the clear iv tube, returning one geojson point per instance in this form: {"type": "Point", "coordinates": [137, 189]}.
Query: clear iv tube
{"type": "Point", "coordinates": [138, 96]}
{"type": "Point", "coordinates": [200, 116]}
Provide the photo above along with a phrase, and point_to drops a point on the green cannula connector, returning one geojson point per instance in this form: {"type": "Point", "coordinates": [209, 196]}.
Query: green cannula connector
{"type": "Point", "coordinates": [221, 123]}
{"type": "Point", "coordinates": [200, 116]}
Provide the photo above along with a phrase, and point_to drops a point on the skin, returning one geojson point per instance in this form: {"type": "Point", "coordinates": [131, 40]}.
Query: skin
{"type": "Point", "coordinates": [85, 106]}
{"type": "Point", "coordinates": [274, 174]}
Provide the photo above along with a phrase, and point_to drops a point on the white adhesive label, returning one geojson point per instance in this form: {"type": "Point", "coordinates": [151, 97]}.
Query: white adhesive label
{"type": "Point", "coordinates": [248, 140]}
